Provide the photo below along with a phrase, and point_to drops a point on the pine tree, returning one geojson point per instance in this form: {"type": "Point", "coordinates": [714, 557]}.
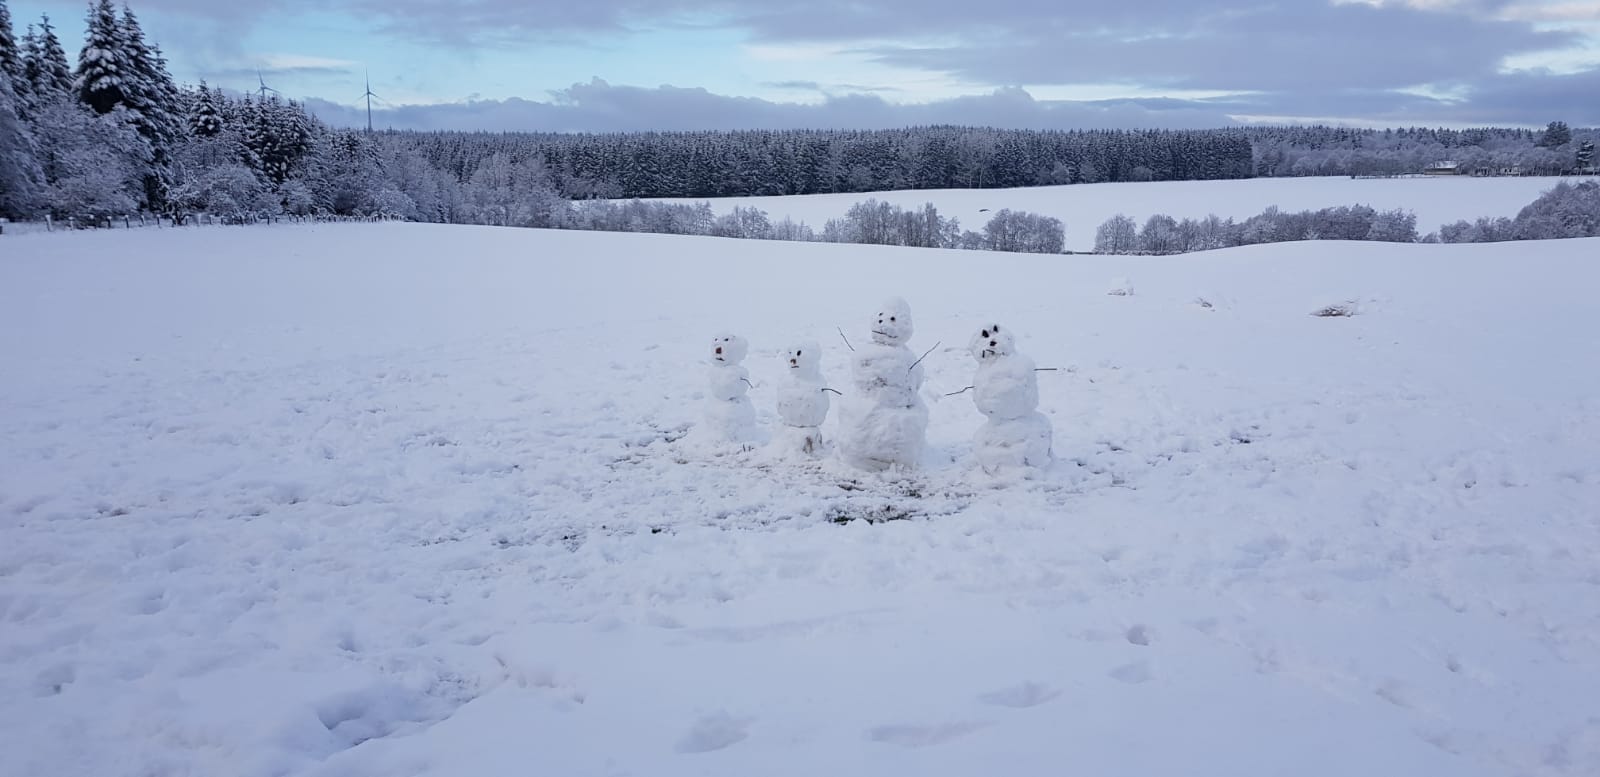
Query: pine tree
{"type": "Point", "coordinates": [277, 135]}
{"type": "Point", "coordinates": [205, 118]}
{"type": "Point", "coordinates": [49, 75]}
{"type": "Point", "coordinates": [21, 180]}
{"type": "Point", "coordinates": [104, 69]}
{"type": "Point", "coordinates": [1557, 134]}
{"type": "Point", "coordinates": [10, 54]}
{"type": "Point", "coordinates": [29, 51]}
{"type": "Point", "coordinates": [150, 94]}
{"type": "Point", "coordinates": [11, 61]}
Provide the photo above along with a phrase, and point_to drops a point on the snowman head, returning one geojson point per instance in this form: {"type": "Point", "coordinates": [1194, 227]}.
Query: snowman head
{"type": "Point", "coordinates": [991, 343]}
{"type": "Point", "coordinates": [728, 349]}
{"type": "Point", "coordinates": [892, 326]}
{"type": "Point", "coordinates": [805, 358]}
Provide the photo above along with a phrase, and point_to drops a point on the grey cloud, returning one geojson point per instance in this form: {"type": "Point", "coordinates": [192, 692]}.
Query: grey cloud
{"type": "Point", "coordinates": [461, 22]}
{"type": "Point", "coordinates": [1538, 98]}
{"type": "Point", "coordinates": [1511, 99]}
{"type": "Point", "coordinates": [1322, 47]}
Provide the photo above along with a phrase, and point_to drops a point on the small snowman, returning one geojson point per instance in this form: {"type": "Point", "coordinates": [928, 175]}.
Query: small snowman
{"type": "Point", "coordinates": [885, 422]}
{"type": "Point", "coordinates": [729, 415]}
{"type": "Point", "coordinates": [802, 402]}
{"type": "Point", "coordinates": [1006, 391]}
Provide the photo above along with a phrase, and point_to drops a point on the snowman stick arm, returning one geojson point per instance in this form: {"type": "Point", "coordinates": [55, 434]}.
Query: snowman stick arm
{"type": "Point", "coordinates": [840, 393]}
{"type": "Point", "coordinates": [923, 356]}
{"type": "Point", "coordinates": [963, 391]}
{"type": "Point", "coordinates": [845, 339]}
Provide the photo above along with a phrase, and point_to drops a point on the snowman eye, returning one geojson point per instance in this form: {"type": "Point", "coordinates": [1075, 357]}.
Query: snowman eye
{"type": "Point", "coordinates": [984, 333]}
{"type": "Point", "coordinates": [891, 318]}
{"type": "Point", "coordinates": [797, 353]}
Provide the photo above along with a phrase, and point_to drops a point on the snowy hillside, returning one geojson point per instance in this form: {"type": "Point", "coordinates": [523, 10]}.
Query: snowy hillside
{"type": "Point", "coordinates": [410, 500]}
{"type": "Point", "coordinates": [1084, 207]}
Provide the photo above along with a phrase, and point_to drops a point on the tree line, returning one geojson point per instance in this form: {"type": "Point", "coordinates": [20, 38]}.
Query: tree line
{"type": "Point", "coordinates": [1568, 210]}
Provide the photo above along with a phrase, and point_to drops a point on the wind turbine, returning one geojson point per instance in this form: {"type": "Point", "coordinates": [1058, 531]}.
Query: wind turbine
{"type": "Point", "coordinates": [369, 95]}
{"type": "Point", "coordinates": [262, 91]}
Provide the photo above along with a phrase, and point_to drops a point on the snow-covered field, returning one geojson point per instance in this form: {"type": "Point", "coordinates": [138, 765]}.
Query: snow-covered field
{"type": "Point", "coordinates": [1435, 200]}
{"type": "Point", "coordinates": [402, 500]}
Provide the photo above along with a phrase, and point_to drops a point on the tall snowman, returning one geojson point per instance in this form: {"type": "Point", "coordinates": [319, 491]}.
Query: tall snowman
{"type": "Point", "coordinates": [802, 402]}
{"type": "Point", "coordinates": [1006, 391]}
{"type": "Point", "coordinates": [884, 423]}
{"type": "Point", "coordinates": [729, 415]}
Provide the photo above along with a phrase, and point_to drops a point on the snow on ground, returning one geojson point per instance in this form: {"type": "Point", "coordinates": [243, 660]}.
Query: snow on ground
{"type": "Point", "coordinates": [1084, 207]}
{"type": "Point", "coordinates": [417, 500]}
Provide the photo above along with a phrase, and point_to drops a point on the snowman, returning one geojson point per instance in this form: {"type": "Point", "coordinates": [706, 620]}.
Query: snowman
{"type": "Point", "coordinates": [885, 423]}
{"type": "Point", "coordinates": [802, 401]}
{"type": "Point", "coordinates": [1006, 391]}
{"type": "Point", "coordinates": [729, 415]}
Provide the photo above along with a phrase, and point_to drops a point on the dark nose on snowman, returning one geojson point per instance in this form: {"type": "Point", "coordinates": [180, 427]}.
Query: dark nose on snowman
{"type": "Point", "coordinates": [719, 350]}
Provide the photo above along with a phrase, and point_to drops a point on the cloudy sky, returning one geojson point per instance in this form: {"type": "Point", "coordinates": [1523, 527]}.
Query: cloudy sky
{"type": "Point", "coordinates": [598, 65]}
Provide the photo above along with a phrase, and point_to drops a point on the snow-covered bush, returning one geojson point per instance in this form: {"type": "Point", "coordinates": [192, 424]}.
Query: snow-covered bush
{"type": "Point", "coordinates": [1024, 232]}
{"type": "Point", "coordinates": [1118, 235]}
{"type": "Point", "coordinates": [881, 223]}
{"type": "Point", "coordinates": [393, 204]}
{"type": "Point", "coordinates": [742, 222]}
{"type": "Point", "coordinates": [1568, 210]}
{"type": "Point", "coordinates": [93, 164]}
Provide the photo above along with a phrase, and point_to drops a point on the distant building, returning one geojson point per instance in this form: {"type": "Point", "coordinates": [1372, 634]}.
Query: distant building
{"type": "Point", "coordinates": [1444, 167]}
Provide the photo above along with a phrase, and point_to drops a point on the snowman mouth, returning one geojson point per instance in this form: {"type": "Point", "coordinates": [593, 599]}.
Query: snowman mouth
{"type": "Point", "coordinates": [883, 334]}
{"type": "Point", "coordinates": [987, 352]}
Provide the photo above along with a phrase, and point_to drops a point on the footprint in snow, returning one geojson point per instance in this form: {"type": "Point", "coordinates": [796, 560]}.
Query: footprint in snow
{"type": "Point", "coordinates": [1133, 674]}
{"type": "Point", "coordinates": [1028, 694]}
{"type": "Point", "coordinates": [714, 732]}
{"type": "Point", "coordinates": [52, 681]}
